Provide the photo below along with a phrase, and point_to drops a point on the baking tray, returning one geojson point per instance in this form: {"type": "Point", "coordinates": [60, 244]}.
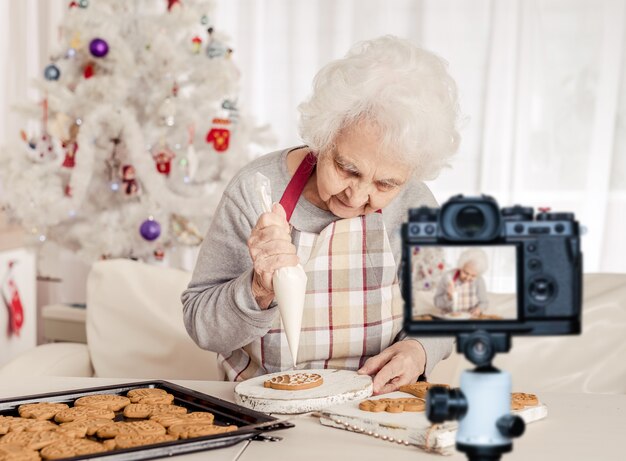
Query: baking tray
{"type": "Point", "coordinates": [225, 413]}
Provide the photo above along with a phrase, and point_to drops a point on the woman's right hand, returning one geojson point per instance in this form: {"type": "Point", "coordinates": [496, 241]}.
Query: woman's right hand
{"type": "Point", "coordinates": [450, 289]}
{"type": "Point", "coordinates": [270, 248]}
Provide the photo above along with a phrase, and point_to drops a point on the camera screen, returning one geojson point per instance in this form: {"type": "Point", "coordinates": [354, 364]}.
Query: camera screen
{"type": "Point", "coordinates": [463, 282]}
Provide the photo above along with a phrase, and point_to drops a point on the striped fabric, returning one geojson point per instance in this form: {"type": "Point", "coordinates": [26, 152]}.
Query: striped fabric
{"type": "Point", "coordinates": [353, 308]}
{"type": "Point", "coordinates": [466, 296]}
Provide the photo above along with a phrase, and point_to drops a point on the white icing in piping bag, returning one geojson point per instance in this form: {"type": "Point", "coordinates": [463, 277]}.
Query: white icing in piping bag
{"type": "Point", "coordinates": [289, 283]}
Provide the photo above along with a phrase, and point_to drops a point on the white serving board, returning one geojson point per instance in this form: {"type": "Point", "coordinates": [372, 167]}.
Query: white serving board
{"type": "Point", "coordinates": [409, 427]}
{"type": "Point", "coordinates": [339, 386]}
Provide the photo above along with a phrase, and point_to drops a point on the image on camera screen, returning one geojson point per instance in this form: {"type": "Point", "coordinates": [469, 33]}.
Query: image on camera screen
{"type": "Point", "coordinates": [464, 282]}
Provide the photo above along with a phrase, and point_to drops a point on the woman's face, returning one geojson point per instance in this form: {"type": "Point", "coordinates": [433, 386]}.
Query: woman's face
{"type": "Point", "coordinates": [356, 177]}
{"type": "Point", "coordinates": [468, 273]}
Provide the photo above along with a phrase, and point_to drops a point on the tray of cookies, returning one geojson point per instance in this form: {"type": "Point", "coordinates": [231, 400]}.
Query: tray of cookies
{"type": "Point", "coordinates": [135, 421]}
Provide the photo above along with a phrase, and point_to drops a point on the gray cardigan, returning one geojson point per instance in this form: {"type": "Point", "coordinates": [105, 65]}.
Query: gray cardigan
{"type": "Point", "coordinates": [220, 312]}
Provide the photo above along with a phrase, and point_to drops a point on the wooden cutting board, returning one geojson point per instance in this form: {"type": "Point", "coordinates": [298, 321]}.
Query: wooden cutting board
{"type": "Point", "coordinates": [409, 428]}
{"type": "Point", "coordinates": [339, 386]}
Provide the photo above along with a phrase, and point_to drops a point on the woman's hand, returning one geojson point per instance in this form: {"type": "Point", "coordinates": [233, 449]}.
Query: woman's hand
{"type": "Point", "coordinates": [270, 248]}
{"type": "Point", "coordinates": [401, 363]}
{"type": "Point", "coordinates": [450, 289]}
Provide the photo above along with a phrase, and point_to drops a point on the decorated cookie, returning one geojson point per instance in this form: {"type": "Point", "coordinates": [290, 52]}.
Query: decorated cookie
{"type": "Point", "coordinates": [294, 381]}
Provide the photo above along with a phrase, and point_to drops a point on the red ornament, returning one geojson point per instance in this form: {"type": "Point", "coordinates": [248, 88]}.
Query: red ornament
{"type": "Point", "coordinates": [440, 266]}
{"type": "Point", "coordinates": [71, 147]}
{"type": "Point", "coordinates": [196, 44]}
{"type": "Point", "coordinates": [128, 178]}
{"type": "Point", "coordinates": [13, 302]}
{"type": "Point", "coordinates": [73, 5]}
{"type": "Point", "coordinates": [89, 71]}
{"type": "Point", "coordinates": [68, 190]}
{"type": "Point", "coordinates": [159, 254]}
{"type": "Point", "coordinates": [172, 3]}
{"type": "Point", "coordinates": [219, 135]}
{"type": "Point", "coordinates": [163, 159]}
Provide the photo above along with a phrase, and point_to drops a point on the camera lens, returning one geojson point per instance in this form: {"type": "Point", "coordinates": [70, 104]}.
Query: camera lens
{"type": "Point", "coordinates": [478, 349]}
{"type": "Point", "coordinates": [470, 221]}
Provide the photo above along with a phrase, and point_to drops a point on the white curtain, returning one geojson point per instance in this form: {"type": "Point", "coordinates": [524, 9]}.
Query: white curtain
{"type": "Point", "coordinates": [542, 84]}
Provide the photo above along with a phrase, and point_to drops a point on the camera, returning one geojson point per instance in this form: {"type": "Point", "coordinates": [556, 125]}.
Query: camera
{"type": "Point", "coordinates": [484, 274]}
{"type": "Point", "coordinates": [470, 265]}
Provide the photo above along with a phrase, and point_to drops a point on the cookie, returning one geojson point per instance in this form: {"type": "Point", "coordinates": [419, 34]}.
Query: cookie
{"type": "Point", "coordinates": [398, 405]}
{"type": "Point", "coordinates": [68, 448]}
{"type": "Point", "coordinates": [41, 411]}
{"type": "Point", "coordinates": [122, 441]}
{"type": "Point", "coordinates": [105, 401]}
{"type": "Point", "coordinates": [294, 381]}
{"type": "Point", "coordinates": [9, 452]}
{"type": "Point", "coordinates": [167, 420]}
{"type": "Point", "coordinates": [76, 413]}
{"type": "Point", "coordinates": [133, 428]}
{"type": "Point", "coordinates": [144, 410]}
{"type": "Point", "coordinates": [420, 388]}
{"type": "Point", "coordinates": [31, 440]}
{"type": "Point", "coordinates": [18, 424]}
{"type": "Point", "coordinates": [150, 396]}
{"type": "Point", "coordinates": [528, 400]}
{"type": "Point", "coordinates": [82, 427]}
{"type": "Point", "coordinates": [193, 429]}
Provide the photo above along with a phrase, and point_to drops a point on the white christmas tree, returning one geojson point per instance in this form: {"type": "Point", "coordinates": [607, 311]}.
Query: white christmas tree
{"type": "Point", "coordinates": [137, 132]}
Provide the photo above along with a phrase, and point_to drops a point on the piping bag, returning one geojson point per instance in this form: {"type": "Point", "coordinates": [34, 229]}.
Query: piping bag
{"type": "Point", "coordinates": [289, 282]}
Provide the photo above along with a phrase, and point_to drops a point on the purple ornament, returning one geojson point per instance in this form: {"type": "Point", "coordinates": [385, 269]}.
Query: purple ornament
{"type": "Point", "coordinates": [150, 229]}
{"type": "Point", "coordinates": [98, 47]}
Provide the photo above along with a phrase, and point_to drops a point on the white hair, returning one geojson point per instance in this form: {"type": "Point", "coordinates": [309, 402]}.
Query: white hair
{"type": "Point", "coordinates": [404, 90]}
{"type": "Point", "coordinates": [476, 257]}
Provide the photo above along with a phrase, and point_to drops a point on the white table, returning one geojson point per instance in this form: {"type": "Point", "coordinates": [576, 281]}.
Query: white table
{"type": "Point", "coordinates": [579, 427]}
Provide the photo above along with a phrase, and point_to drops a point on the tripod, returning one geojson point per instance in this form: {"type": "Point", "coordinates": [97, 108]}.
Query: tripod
{"type": "Point", "coordinates": [483, 402]}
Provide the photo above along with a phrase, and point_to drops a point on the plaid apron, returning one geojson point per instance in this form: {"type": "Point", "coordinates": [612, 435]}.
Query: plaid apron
{"type": "Point", "coordinates": [353, 307]}
{"type": "Point", "coordinates": [466, 297]}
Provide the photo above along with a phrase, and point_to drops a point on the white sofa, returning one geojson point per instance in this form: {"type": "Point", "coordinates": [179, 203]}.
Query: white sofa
{"type": "Point", "coordinates": [135, 330]}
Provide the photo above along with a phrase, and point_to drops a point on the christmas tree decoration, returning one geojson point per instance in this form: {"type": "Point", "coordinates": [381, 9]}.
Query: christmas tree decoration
{"type": "Point", "coordinates": [204, 20]}
{"type": "Point", "coordinates": [196, 44]}
{"type": "Point", "coordinates": [163, 158]}
{"type": "Point", "coordinates": [150, 229]}
{"type": "Point", "coordinates": [71, 147]}
{"type": "Point", "coordinates": [89, 70]}
{"type": "Point", "coordinates": [129, 181]}
{"type": "Point", "coordinates": [190, 162]}
{"type": "Point", "coordinates": [86, 183]}
{"type": "Point", "coordinates": [159, 254]}
{"type": "Point", "coordinates": [72, 4]}
{"type": "Point", "coordinates": [12, 301]}
{"type": "Point", "coordinates": [172, 4]}
{"type": "Point", "coordinates": [51, 72]}
{"type": "Point", "coordinates": [186, 232]}
{"type": "Point", "coordinates": [219, 134]}
{"type": "Point", "coordinates": [98, 48]}
{"type": "Point", "coordinates": [83, 3]}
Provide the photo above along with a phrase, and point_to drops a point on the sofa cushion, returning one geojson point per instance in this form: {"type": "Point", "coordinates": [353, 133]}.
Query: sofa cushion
{"type": "Point", "coordinates": [135, 324]}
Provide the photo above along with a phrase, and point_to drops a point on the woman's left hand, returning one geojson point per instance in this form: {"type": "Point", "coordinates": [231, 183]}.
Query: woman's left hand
{"type": "Point", "coordinates": [401, 363]}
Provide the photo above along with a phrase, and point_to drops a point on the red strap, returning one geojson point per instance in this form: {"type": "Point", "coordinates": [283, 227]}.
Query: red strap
{"type": "Point", "coordinates": [294, 189]}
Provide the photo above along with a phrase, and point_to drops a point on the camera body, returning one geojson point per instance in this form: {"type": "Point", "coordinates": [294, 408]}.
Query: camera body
{"type": "Point", "coordinates": [536, 257]}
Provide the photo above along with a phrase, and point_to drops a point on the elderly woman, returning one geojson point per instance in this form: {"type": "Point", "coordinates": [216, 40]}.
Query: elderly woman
{"type": "Point", "coordinates": [379, 121]}
{"type": "Point", "coordinates": [462, 290]}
